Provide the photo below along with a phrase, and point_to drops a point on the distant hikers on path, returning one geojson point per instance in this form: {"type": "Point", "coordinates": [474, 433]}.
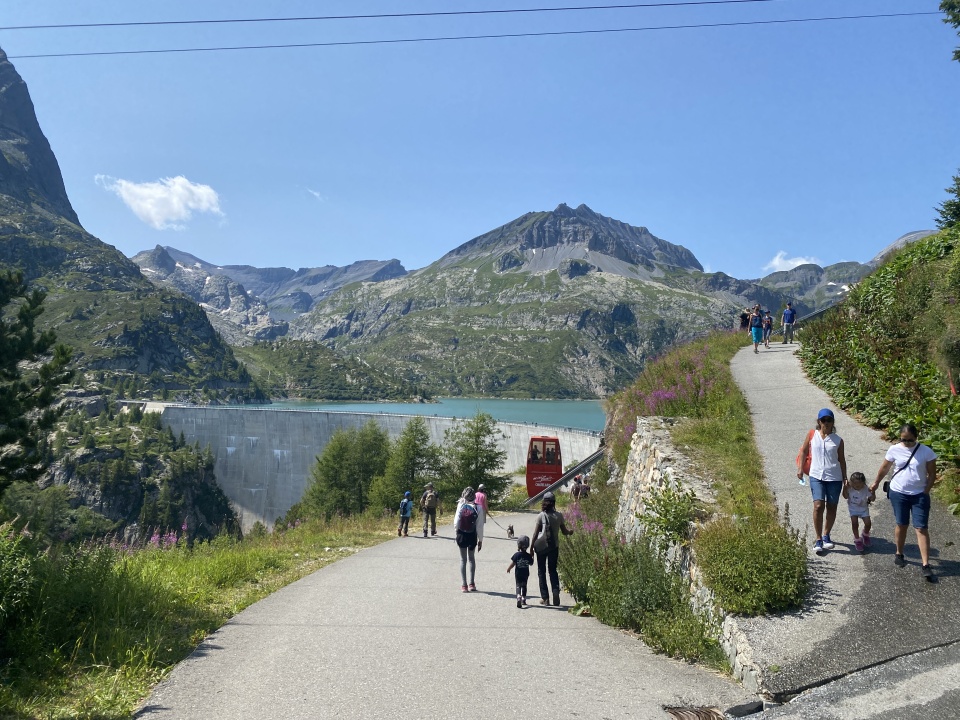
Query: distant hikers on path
{"type": "Point", "coordinates": [914, 465]}
{"type": "Point", "coordinates": [758, 323]}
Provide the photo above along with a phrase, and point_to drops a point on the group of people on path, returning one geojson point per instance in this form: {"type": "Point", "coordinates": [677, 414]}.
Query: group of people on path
{"type": "Point", "coordinates": [469, 521]}
{"type": "Point", "coordinates": [759, 323]}
{"type": "Point", "coordinates": [822, 459]}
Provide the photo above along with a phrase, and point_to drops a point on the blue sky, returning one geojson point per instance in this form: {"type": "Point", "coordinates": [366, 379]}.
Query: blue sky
{"type": "Point", "coordinates": [744, 144]}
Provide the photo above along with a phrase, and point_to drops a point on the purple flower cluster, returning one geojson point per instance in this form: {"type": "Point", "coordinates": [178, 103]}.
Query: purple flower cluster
{"type": "Point", "coordinates": [678, 384]}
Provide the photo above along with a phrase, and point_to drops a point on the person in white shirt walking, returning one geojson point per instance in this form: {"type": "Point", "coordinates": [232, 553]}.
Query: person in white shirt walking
{"type": "Point", "coordinates": [915, 472]}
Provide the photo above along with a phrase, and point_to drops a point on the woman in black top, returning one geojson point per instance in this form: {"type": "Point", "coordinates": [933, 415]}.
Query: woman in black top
{"type": "Point", "coordinates": [548, 552]}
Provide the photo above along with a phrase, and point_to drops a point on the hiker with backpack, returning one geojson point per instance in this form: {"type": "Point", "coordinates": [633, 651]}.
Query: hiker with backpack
{"type": "Point", "coordinates": [428, 508]}
{"type": "Point", "coordinates": [406, 509]}
{"type": "Point", "coordinates": [468, 523]}
{"type": "Point", "coordinates": [546, 544]}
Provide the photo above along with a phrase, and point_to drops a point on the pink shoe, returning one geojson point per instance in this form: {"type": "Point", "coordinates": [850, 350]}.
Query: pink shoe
{"type": "Point", "coordinates": [473, 588]}
{"type": "Point", "coordinates": [463, 588]}
{"type": "Point", "coordinates": [866, 538]}
{"type": "Point", "coordinates": [858, 542]}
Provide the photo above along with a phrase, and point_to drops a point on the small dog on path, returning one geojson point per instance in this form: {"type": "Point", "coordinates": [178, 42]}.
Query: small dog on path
{"type": "Point", "coordinates": [510, 531]}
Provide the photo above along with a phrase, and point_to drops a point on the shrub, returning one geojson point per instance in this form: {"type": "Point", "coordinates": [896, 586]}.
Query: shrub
{"type": "Point", "coordinates": [753, 566]}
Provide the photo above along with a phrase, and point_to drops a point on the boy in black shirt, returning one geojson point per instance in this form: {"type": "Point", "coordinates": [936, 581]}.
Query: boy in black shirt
{"type": "Point", "coordinates": [521, 560]}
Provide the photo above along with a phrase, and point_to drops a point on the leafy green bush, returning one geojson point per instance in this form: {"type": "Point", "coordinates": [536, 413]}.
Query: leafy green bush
{"type": "Point", "coordinates": [751, 565]}
{"type": "Point", "coordinates": [669, 512]}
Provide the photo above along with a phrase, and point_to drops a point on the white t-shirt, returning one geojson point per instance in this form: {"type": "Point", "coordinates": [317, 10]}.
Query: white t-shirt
{"type": "Point", "coordinates": [912, 480]}
{"type": "Point", "coordinates": [858, 501]}
{"type": "Point", "coordinates": [824, 465]}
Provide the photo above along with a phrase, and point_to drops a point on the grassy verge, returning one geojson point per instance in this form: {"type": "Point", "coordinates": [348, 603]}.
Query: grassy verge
{"type": "Point", "coordinates": [750, 557]}
{"type": "Point", "coordinates": [87, 633]}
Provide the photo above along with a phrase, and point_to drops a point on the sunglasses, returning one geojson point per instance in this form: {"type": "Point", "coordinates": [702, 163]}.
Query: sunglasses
{"type": "Point", "coordinates": [827, 419]}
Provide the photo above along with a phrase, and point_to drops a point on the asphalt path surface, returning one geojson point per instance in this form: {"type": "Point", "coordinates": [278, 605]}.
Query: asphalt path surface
{"type": "Point", "coordinates": [387, 633]}
{"type": "Point", "coordinates": [861, 612]}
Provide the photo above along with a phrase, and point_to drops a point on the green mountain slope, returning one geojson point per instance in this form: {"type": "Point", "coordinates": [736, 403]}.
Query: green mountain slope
{"type": "Point", "coordinates": [561, 304]}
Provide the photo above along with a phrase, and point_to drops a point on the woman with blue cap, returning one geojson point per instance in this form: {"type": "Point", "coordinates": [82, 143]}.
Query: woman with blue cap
{"type": "Point", "coordinates": [828, 476]}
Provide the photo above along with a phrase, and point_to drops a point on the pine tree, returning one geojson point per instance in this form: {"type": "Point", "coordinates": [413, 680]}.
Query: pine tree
{"type": "Point", "coordinates": [951, 8]}
{"type": "Point", "coordinates": [32, 367]}
{"type": "Point", "coordinates": [949, 210]}
{"type": "Point", "coordinates": [473, 454]}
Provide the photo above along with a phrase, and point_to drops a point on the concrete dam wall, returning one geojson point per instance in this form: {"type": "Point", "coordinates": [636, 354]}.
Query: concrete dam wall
{"type": "Point", "coordinates": [264, 456]}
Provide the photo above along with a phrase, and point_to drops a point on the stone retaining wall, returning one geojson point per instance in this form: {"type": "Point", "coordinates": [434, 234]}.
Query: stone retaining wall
{"type": "Point", "coordinates": [654, 464]}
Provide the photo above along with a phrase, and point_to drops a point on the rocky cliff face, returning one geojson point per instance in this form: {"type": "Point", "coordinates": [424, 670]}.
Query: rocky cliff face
{"type": "Point", "coordinates": [247, 304]}
{"type": "Point", "coordinates": [239, 316]}
{"type": "Point", "coordinates": [538, 242]}
{"type": "Point", "coordinates": [29, 172]}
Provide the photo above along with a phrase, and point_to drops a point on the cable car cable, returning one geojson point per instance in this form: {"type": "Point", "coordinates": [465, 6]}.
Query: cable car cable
{"type": "Point", "coordinates": [444, 13]}
{"type": "Point", "coordinates": [450, 38]}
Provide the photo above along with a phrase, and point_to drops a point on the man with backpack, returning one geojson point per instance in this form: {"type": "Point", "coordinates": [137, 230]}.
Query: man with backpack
{"type": "Point", "coordinates": [468, 523]}
{"type": "Point", "coordinates": [428, 508]}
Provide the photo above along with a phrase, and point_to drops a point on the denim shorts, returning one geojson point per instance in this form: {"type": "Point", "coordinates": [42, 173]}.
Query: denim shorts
{"type": "Point", "coordinates": [905, 505]}
{"type": "Point", "coordinates": [829, 491]}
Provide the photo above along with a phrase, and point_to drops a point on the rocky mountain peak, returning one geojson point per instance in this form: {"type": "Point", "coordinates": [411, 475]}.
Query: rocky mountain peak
{"type": "Point", "coordinates": [544, 241]}
{"type": "Point", "coordinates": [29, 171]}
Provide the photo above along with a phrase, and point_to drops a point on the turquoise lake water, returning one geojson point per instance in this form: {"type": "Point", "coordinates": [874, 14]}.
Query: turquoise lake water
{"type": "Point", "coordinates": [582, 414]}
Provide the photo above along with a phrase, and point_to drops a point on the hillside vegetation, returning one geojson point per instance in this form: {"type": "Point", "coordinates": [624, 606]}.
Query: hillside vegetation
{"type": "Point", "coordinates": [891, 352]}
{"type": "Point", "coordinates": [307, 370]}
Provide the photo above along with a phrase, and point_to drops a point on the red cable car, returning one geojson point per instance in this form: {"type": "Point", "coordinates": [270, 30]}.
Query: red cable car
{"type": "Point", "coordinates": [544, 463]}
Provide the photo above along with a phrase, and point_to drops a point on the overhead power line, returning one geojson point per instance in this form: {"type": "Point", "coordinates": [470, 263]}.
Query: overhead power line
{"type": "Point", "coordinates": [449, 38]}
{"type": "Point", "coordinates": [446, 13]}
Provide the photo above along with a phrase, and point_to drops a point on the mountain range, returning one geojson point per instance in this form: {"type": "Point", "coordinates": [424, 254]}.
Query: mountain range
{"type": "Point", "coordinates": [565, 303]}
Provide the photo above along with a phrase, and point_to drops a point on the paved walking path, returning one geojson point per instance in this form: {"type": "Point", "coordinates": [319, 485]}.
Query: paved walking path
{"type": "Point", "coordinates": [861, 611]}
{"type": "Point", "coordinates": [386, 633]}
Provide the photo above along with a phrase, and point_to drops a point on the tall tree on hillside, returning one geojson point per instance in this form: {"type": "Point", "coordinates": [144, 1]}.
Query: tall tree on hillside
{"type": "Point", "coordinates": [949, 210]}
{"type": "Point", "coordinates": [951, 8]}
{"type": "Point", "coordinates": [414, 461]}
{"type": "Point", "coordinates": [32, 367]}
{"type": "Point", "coordinates": [473, 455]}
{"type": "Point", "coordinates": [345, 471]}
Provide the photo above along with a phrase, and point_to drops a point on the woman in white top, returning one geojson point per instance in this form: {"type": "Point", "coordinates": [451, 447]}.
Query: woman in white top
{"type": "Point", "coordinates": [828, 476]}
{"type": "Point", "coordinates": [915, 472]}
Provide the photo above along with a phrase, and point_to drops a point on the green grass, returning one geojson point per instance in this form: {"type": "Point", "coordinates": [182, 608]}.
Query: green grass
{"type": "Point", "coordinates": [93, 630]}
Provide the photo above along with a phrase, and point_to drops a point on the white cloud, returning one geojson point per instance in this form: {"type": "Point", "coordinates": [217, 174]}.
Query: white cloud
{"type": "Point", "coordinates": [165, 204]}
{"type": "Point", "coordinates": [318, 196]}
{"type": "Point", "coordinates": [782, 262]}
